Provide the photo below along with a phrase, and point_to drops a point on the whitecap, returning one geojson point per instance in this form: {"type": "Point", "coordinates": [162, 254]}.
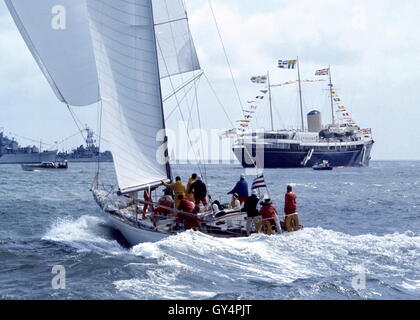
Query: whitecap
{"type": "Point", "coordinates": [412, 285]}
{"type": "Point", "coordinates": [147, 250]}
{"type": "Point", "coordinates": [192, 263]}
{"type": "Point", "coordinates": [84, 234]}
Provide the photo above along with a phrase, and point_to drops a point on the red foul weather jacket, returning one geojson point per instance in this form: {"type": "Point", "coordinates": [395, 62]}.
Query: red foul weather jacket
{"type": "Point", "coordinates": [290, 206]}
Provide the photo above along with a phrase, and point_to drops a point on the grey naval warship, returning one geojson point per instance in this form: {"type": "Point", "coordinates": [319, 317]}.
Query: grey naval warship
{"type": "Point", "coordinates": [88, 153]}
{"type": "Point", "coordinates": [12, 153]}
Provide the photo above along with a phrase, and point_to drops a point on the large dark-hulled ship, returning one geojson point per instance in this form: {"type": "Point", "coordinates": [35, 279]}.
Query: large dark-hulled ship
{"type": "Point", "coordinates": [341, 147]}
{"type": "Point", "coordinates": [342, 143]}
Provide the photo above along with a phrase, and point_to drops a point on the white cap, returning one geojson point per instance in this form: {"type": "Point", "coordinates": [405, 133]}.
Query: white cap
{"type": "Point", "coordinates": [199, 178]}
{"type": "Point", "coordinates": [242, 176]}
{"type": "Point", "coordinates": [255, 192]}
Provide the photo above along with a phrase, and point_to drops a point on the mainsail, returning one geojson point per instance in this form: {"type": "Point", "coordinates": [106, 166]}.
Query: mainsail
{"type": "Point", "coordinates": [126, 58]}
{"type": "Point", "coordinates": [175, 46]}
{"type": "Point", "coordinates": [117, 54]}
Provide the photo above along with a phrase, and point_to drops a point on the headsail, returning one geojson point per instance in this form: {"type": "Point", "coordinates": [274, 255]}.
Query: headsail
{"type": "Point", "coordinates": [64, 52]}
{"type": "Point", "coordinates": [127, 63]}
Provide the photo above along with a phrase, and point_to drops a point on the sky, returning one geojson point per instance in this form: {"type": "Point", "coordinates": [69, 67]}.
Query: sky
{"type": "Point", "coordinates": [373, 48]}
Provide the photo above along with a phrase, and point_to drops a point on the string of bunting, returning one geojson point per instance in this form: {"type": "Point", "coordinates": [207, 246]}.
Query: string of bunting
{"type": "Point", "coordinates": [252, 105]}
{"type": "Point", "coordinates": [342, 113]}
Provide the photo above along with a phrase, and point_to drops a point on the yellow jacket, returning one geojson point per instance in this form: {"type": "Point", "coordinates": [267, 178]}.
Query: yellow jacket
{"type": "Point", "coordinates": [190, 182]}
{"type": "Point", "coordinates": [190, 195]}
{"type": "Point", "coordinates": [178, 187]}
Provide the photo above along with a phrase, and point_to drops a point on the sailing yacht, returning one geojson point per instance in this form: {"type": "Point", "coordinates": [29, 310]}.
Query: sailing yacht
{"type": "Point", "coordinates": [115, 53]}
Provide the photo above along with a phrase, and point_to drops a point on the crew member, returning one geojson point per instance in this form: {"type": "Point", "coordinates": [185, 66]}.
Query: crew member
{"type": "Point", "coordinates": [251, 210]}
{"type": "Point", "coordinates": [199, 190]}
{"type": "Point", "coordinates": [187, 216]}
{"type": "Point", "coordinates": [290, 209]}
{"type": "Point", "coordinates": [179, 189]}
{"type": "Point", "coordinates": [163, 208]}
{"type": "Point", "coordinates": [191, 181]}
{"type": "Point", "coordinates": [241, 189]}
{"type": "Point", "coordinates": [147, 195]}
{"type": "Point", "coordinates": [166, 202]}
{"type": "Point", "coordinates": [269, 217]}
{"type": "Point", "coordinates": [235, 204]}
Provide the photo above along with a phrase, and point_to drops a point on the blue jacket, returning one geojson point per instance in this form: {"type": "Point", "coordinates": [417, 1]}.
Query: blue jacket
{"type": "Point", "coordinates": [241, 189]}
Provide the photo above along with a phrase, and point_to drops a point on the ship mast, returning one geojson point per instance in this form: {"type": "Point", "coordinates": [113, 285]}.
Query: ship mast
{"type": "Point", "coordinates": [331, 96]}
{"type": "Point", "coordinates": [271, 101]}
{"type": "Point", "coordinates": [40, 149]}
{"type": "Point", "coordinates": [300, 96]}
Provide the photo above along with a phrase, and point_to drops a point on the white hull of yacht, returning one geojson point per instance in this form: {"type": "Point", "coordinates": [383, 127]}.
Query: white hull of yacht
{"type": "Point", "coordinates": [135, 235]}
{"type": "Point", "coordinates": [122, 217]}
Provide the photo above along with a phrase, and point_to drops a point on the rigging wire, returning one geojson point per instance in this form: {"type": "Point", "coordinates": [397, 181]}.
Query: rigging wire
{"type": "Point", "coordinates": [226, 56]}
{"type": "Point", "coordinates": [218, 100]}
{"type": "Point", "coordinates": [230, 120]}
{"type": "Point", "coordinates": [190, 109]}
{"type": "Point", "coordinates": [179, 108]}
{"type": "Point", "coordinates": [111, 182]}
{"type": "Point", "coordinates": [75, 119]}
{"type": "Point", "coordinates": [200, 126]}
{"type": "Point", "coordinates": [196, 84]}
{"type": "Point", "coordinates": [176, 107]}
{"type": "Point", "coordinates": [100, 115]}
{"type": "Point", "coordinates": [183, 86]}
{"type": "Point", "coordinates": [51, 145]}
{"type": "Point", "coordinates": [173, 38]}
{"type": "Point", "coordinates": [68, 138]}
{"type": "Point", "coordinates": [30, 139]}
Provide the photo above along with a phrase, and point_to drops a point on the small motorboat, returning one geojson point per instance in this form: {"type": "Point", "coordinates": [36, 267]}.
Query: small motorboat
{"type": "Point", "coordinates": [46, 166]}
{"type": "Point", "coordinates": [323, 166]}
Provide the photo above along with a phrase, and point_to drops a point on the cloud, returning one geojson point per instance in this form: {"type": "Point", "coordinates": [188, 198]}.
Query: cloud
{"type": "Point", "coordinates": [372, 46]}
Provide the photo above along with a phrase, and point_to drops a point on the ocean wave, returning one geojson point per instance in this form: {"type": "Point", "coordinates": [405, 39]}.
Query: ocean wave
{"type": "Point", "coordinates": [85, 234]}
{"type": "Point", "coordinates": [262, 267]}
{"type": "Point", "coordinates": [412, 285]}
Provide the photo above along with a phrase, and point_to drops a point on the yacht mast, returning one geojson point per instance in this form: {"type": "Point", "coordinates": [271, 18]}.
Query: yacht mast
{"type": "Point", "coordinates": [165, 141]}
{"type": "Point", "coordinates": [300, 96]}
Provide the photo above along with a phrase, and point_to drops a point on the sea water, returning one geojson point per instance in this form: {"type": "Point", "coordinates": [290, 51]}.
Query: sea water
{"type": "Point", "coordinates": [361, 240]}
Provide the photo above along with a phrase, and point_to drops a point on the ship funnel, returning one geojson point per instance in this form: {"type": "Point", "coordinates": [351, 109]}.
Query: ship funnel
{"type": "Point", "coordinates": [314, 121]}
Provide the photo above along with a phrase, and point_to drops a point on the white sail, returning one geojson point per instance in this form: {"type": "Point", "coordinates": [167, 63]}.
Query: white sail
{"type": "Point", "coordinates": [176, 50]}
{"type": "Point", "coordinates": [65, 54]}
{"type": "Point", "coordinates": [57, 34]}
{"type": "Point", "coordinates": [114, 51]}
{"type": "Point", "coordinates": [127, 62]}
